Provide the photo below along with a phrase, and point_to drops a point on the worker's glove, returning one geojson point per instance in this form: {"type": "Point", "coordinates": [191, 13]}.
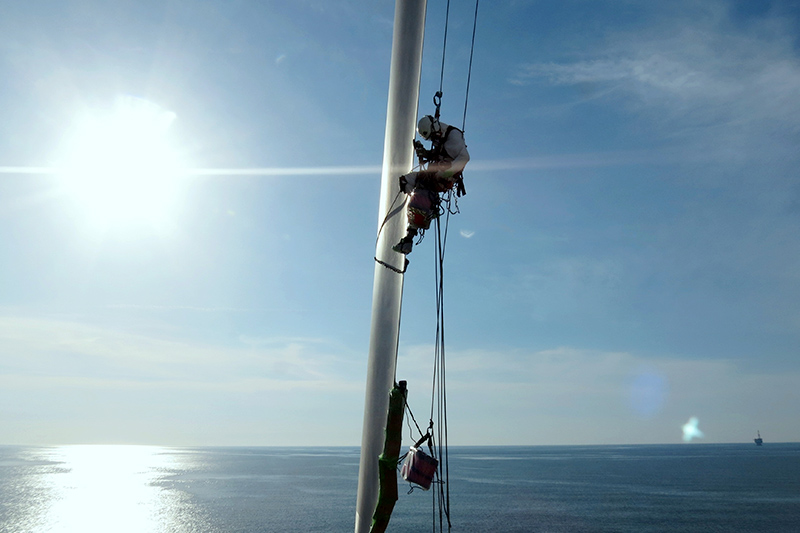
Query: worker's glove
{"type": "Point", "coordinates": [403, 184]}
{"type": "Point", "coordinates": [419, 148]}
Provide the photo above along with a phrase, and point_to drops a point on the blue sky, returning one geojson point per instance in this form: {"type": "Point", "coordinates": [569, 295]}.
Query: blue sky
{"type": "Point", "coordinates": [626, 257]}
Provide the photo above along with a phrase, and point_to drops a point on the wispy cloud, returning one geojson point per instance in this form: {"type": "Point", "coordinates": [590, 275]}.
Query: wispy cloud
{"type": "Point", "coordinates": [72, 351]}
{"type": "Point", "coordinates": [74, 372]}
{"type": "Point", "coordinates": [617, 396]}
{"type": "Point", "coordinates": [63, 382]}
{"type": "Point", "coordinates": [707, 75]}
{"type": "Point", "coordinates": [179, 308]}
{"type": "Point", "coordinates": [654, 71]}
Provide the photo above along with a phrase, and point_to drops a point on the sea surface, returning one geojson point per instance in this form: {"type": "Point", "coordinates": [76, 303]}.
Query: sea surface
{"type": "Point", "coordinates": [683, 488]}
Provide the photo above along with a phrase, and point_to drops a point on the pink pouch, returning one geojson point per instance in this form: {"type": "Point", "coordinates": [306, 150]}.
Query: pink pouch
{"type": "Point", "coordinates": [419, 468]}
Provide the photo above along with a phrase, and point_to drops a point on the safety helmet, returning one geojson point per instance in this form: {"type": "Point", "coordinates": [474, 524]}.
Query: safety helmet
{"type": "Point", "coordinates": [426, 126]}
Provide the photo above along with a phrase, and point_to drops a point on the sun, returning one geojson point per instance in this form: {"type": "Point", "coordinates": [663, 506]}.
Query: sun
{"type": "Point", "coordinates": [118, 166]}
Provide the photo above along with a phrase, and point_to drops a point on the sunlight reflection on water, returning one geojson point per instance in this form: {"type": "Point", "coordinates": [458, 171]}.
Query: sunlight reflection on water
{"type": "Point", "coordinates": [109, 488]}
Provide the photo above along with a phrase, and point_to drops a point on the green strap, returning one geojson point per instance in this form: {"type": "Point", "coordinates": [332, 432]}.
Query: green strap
{"type": "Point", "coordinates": [387, 462]}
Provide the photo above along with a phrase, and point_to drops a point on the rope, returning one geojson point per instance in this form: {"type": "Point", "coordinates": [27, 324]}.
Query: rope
{"type": "Point", "coordinates": [388, 215]}
{"type": "Point", "coordinates": [411, 414]}
{"type": "Point", "coordinates": [437, 99]}
{"type": "Point", "coordinates": [377, 238]}
{"type": "Point", "coordinates": [393, 268]}
{"type": "Point", "coordinates": [439, 385]}
{"type": "Point", "coordinates": [469, 72]}
{"type": "Point", "coordinates": [439, 446]}
{"type": "Point", "coordinates": [444, 48]}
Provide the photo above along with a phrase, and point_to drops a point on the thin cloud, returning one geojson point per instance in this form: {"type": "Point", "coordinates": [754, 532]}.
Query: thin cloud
{"type": "Point", "coordinates": [620, 396]}
{"type": "Point", "coordinates": [179, 308]}
{"type": "Point", "coordinates": [63, 381]}
{"type": "Point", "coordinates": [70, 350]}
{"type": "Point", "coordinates": [706, 77]}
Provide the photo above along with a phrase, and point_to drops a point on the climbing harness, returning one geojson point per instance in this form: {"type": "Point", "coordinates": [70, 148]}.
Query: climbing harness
{"type": "Point", "coordinates": [438, 152]}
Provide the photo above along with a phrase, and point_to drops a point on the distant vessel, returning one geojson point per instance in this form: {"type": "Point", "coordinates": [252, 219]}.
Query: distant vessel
{"type": "Point", "coordinates": [758, 440]}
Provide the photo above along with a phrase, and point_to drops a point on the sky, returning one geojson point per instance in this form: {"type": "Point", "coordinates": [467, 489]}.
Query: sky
{"type": "Point", "coordinates": [189, 206]}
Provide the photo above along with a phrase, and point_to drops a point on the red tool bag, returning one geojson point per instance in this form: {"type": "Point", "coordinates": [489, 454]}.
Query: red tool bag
{"type": "Point", "coordinates": [419, 468]}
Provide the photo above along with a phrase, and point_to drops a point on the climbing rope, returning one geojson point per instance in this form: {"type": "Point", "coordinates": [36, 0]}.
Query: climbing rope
{"type": "Point", "coordinates": [444, 50]}
{"type": "Point", "coordinates": [439, 385]}
{"type": "Point", "coordinates": [391, 209]}
{"type": "Point", "coordinates": [469, 71]}
{"type": "Point", "coordinates": [391, 267]}
{"type": "Point", "coordinates": [448, 205]}
{"type": "Point", "coordinates": [438, 440]}
{"type": "Point", "coordinates": [437, 99]}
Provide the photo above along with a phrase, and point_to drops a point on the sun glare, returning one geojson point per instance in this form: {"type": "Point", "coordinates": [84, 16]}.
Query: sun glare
{"type": "Point", "coordinates": [119, 167]}
{"type": "Point", "coordinates": [108, 488]}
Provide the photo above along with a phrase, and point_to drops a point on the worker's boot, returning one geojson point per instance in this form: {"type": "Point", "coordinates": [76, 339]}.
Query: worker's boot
{"type": "Point", "coordinates": [405, 245]}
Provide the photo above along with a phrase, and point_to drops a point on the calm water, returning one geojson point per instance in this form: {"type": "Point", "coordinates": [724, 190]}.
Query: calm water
{"type": "Point", "coordinates": [685, 488]}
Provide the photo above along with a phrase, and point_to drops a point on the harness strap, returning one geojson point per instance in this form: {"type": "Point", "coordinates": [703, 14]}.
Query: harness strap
{"type": "Point", "coordinates": [460, 189]}
{"type": "Point", "coordinates": [437, 148]}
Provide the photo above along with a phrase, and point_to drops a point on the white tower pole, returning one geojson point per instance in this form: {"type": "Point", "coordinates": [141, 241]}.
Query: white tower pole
{"type": "Point", "coordinates": [401, 117]}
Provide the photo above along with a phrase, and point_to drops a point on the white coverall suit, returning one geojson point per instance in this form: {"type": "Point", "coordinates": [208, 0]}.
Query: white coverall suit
{"type": "Point", "coordinates": [447, 159]}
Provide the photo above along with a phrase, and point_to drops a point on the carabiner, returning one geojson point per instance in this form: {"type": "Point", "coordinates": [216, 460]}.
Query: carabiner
{"type": "Point", "coordinates": [437, 101]}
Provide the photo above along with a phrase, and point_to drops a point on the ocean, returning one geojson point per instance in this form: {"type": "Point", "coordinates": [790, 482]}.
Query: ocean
{"type": "Point", "coordinates": [682, 488]}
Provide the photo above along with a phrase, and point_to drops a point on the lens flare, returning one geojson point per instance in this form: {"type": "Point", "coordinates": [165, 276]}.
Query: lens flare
{"type": "Point", "coordinates": [691, 431]}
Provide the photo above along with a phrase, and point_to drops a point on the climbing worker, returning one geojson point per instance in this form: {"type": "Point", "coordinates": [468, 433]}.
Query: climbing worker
{"type": "Point", "coordinates": [445, 162]}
